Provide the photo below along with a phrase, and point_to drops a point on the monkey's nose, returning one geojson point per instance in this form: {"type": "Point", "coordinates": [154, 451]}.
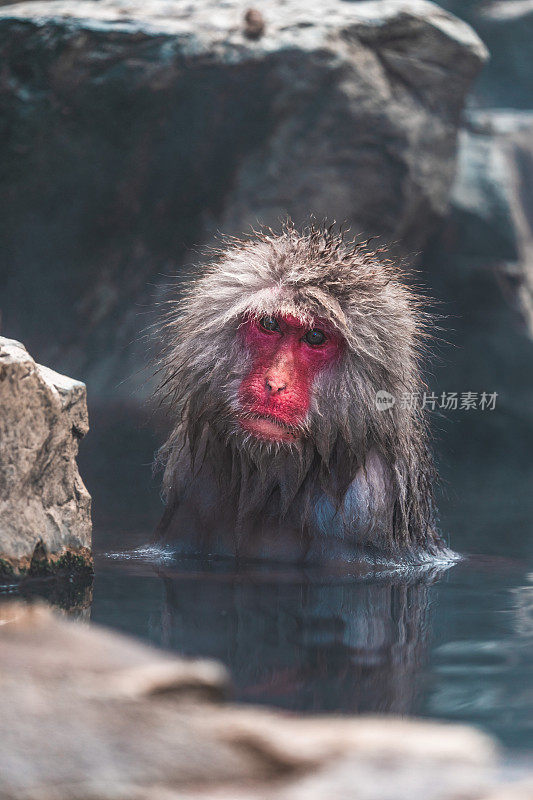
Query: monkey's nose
{"type": "Point", "coordinates": [273, 385]}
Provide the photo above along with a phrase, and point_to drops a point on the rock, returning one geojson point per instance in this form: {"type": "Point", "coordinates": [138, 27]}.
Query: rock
{"type": "Point", "coordinates": [507, 30]}
{"type": "Point", "coordinates": [491, 214]}
{"type": "Point", "coordinates": [97, 715]}
{"type": "Point", "coordinates": [254, 24]}
{"type": "Point", "coordinates": [480, 266]}
{"type": "Point", "coordinates": [45, 522]}
{"type": "Point", "coordinates": [515, 791]}
{"type": "Point", "coordinates": [133, 131]}
{"type": "Point", "coordinates": [487, 237]}
{"type": "Point", "coordinates": [506, 27]}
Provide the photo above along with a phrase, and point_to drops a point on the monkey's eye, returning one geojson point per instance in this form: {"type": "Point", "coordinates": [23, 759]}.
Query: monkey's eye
{"type": "Point", "coordinates": [270, 324]}
{"type": "Point", "coordinates": [315, 337]}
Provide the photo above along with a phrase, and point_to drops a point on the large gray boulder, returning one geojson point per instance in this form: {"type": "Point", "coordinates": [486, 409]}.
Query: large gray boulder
{"type": "Point", "coordinates": [101, 717]}
{"type": "Point", "coordinates": [45, 521]}
{"type": "Point", "coordinates": [134, 130]}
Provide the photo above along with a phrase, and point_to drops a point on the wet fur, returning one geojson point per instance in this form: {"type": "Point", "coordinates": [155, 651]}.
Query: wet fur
{"type": "Point", "coordinates": [359, 481]}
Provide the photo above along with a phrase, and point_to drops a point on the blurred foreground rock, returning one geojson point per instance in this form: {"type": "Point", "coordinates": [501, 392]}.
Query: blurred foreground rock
{"type": "Point", "coordinates": [135, 130]}
{"type": "Point", "coordinates": [89, 713]}
{"type": "Point", "coordinates": [45, 522]}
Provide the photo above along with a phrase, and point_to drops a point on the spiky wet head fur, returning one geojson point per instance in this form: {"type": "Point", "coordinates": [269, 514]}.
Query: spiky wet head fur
{"type": "Point", "coordinates": [316, 273]}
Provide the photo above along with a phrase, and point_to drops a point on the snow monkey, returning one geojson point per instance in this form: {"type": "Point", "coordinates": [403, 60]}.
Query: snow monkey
{"type": "Point", "coordinates": [277, 359]}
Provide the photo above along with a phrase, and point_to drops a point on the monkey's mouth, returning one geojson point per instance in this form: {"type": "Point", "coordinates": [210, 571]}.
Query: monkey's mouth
{"type": "Point", "coordinates": [269, 428]}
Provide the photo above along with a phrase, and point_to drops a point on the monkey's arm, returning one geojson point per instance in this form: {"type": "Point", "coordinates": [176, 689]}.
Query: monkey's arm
{"type": "Point", "coordinates": [363, 525]}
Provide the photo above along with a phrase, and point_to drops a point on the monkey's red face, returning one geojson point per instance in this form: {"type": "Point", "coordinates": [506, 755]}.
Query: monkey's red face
{"type": "Point", "coordinates": [287, 357]}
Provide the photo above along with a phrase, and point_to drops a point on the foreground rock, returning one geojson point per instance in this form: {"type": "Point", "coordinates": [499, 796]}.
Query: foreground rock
{"type": "Point", "coordinates": [135, 130]}
{"type": "Point", "coordinates": [45, 522]}
{"type": "Point", "coordinates": [99, 716]}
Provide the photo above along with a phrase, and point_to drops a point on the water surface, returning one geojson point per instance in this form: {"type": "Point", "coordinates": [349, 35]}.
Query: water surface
{"type": "Point", "coordinates": [453, 645]}
{"type": "Point", "coordinates": [456, 645]}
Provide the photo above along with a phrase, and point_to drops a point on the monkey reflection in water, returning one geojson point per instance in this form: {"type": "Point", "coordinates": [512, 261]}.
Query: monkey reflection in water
{"type": "Point", "coordinates": [354, 646]}
{"type": "Point", "coordinates": [274, 359]}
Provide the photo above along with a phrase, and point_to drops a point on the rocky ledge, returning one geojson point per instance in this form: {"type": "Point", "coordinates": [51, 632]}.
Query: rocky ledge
{"type": "Point", "coordinates": [45, 509]}
{"type": "Point", "coordinates": [102, 717]}
{"type": "Point", "coordinates": [135, 129]}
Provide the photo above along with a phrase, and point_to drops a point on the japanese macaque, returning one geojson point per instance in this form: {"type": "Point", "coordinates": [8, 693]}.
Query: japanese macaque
{"type": "Point", "coordinates": [279, 449]}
